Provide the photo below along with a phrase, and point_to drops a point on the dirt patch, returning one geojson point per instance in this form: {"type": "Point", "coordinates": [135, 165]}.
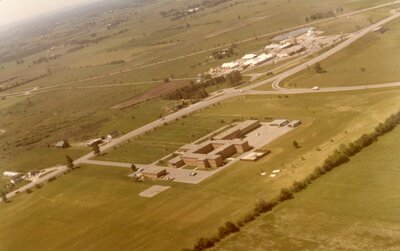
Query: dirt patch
{"type": "Point", "coordinates": [2, 131]}
{"type": "Point", "coordinates": [158, 91]}
{"type": "Point", "coordinates": [153, 191]}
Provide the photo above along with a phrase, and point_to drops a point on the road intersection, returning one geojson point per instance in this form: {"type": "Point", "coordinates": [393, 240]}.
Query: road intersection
{"type": "Point", "coordinates": [227, 94]}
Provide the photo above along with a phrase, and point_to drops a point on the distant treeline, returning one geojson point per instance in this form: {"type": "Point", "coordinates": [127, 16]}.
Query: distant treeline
{"type": "Point", "coordinates": [13, 85]}
{"type": "Point", "coordinates": [95, 40]}
{"type": "Point", "coordinates": [177, 14]}
{"type": "Point", "coordinates": [117, 62]}
{"type": "Point", "coordinates": [321, 15]}
{"type": "Point", "coordinates": [336, 159]}
{"type": "Point", "coordinates": [17, 52]}
{"type": "Point", "coordinates": [45, 59]}
{"type": "Point", "coordinates": [198, 91]}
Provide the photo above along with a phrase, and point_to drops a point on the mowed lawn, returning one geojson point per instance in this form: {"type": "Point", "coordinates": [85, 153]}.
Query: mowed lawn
{"type": "Point", "coordinates": [355, 207]}
{"type": "Point", "coordinates": [154, 145]}
{"type": "Point", "coordinates": [98, 208]}
{"type": "Point", "coordinates": [332, 114]}
{"type": "Point", "coordinates": [373, 59]}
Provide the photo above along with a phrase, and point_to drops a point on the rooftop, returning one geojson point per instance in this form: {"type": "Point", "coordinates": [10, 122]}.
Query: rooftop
{"type": "Point", "coordinates": [294, 33]}
{"type": "Point", "coordinates": [153, 169]}
{"type": "Point", "coordinates": [249, 56]}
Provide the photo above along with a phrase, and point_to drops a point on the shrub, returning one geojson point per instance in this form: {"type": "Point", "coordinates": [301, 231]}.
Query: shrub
{"type": "Point", "coordinates": [202, 244]}
{"type": "Point", "coordinates": [298, 186]}
{"type": "Point", "coordinates": [285, 195]}
{"type": "Point", "coordinates": [263, 206]}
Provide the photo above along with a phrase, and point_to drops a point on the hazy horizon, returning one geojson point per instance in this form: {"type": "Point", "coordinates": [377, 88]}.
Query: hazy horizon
{"type": "Point", "coordinates": [18, 10]}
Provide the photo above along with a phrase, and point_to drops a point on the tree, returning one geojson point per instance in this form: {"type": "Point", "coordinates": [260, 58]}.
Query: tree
{"type": "Point", "coordinates": [295, 144]}
{"type": "Point", "coordinates": [285, 195]}
{"type": "Point", "coordinates": [203, 243]}
{"type": "Point", "coordinates": [4, 196]}
{"type": "Point", "coordinates": [96, 149]}
{"type": "Point", "coordinates": [70, 162]}
{"type": "Point", "coordinates": [133, 167]}
{"type": "Point", "coordinates": [318, 68]}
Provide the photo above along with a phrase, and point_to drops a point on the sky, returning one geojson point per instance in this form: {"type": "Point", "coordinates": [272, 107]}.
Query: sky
{"type": "Point", "coordinates": [17, 10]}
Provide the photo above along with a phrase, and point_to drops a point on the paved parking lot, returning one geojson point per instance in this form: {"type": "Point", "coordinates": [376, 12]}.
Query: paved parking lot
{"type": "Point", "coordinates": [266, 134]}
{"type": "Point", "coordinates": [257, 138]}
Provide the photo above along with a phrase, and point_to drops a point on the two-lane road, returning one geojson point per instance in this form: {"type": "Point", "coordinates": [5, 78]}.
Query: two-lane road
{"type": "Point", "coordinates": [232, 92]}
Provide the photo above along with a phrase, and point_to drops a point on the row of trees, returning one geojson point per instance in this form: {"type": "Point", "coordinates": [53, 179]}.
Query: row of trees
{"type": "Point", "coordinates": [336, 159]}
{"type": "Point", "coordinates": [192, 91]}
{"type": "Point", "coordinates": [198, 91]}
{"type": "Point", "coordinates": [320, 15]}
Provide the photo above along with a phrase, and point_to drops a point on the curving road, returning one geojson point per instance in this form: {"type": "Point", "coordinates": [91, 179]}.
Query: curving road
{"type": "Point", "coordinates": [355, 36]}
{"type": "Point", "coordinates": [230, 93]}
{"type": "Point", "coordinates": [45, 89]}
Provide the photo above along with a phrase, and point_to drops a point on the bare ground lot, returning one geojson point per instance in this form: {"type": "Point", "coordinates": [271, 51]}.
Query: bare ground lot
{"type": "Point", "coordinates": [153, 191]}
{"type": "Point", "coordinates": [160, 90]}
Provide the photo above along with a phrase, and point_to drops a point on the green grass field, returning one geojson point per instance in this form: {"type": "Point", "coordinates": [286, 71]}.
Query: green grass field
{"type": "Point", "coordinates": [98, 208]}
{"type": "Point", "coordinates": [31, 123]}
{"type": "Point", "coordinates": [355, 207]}
{"type": "Point", "coordinates": [150, 147]}
{"type": "Point", "coordinates": [79, 114]}
{"type": "Point", "coordinates": [102, 205]}
{"type": "Point", "coordinates": [370, 60]}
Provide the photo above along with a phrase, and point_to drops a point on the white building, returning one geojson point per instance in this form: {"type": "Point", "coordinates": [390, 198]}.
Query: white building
{"type": "Point", "coordinates": [272, 47]}
{"type": "Point", "coordinates": [285, 45]}
{"type": "Point", "coordinates": [264, 58]}
{"type": "Point", "coordinates": [230, 65]}
{"type": "Point", "coordinates": [249, 56]}
{"type": "Point", "coordinates": [10, 174]}
{"type": "Point", "coordinates": [282, 55]}
{"type": "Point", "coordinates": [279, 122]}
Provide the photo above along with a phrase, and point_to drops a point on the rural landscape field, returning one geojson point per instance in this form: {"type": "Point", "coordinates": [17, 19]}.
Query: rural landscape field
{"type": "Point", "coordinates": [196, 125]}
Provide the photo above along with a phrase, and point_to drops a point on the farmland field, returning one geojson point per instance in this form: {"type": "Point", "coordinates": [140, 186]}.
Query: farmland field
{"type": "Point", "coordinates": [354, 207]}
{"type": "Point", "coordinates": [121, 67]}
{"type": "Point", "coordinates": [370, 60]}
{"type": "Point", "coordinates": [78, 110]}
{"type": "Point", "coordinates": [87, 202]}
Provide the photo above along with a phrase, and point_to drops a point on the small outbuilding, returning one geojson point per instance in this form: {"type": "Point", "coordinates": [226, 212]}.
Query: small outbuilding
{"type": "Point", "coordinates": [61, 144]}
{"type": "Point", "coordinates": [93, 142]}
{"type": "Point", "coordinates": [279, 122]}
{"type": "Point", "coordinates": [154, 172]}
{"type": "Point", "coordinates": [294, 123]}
